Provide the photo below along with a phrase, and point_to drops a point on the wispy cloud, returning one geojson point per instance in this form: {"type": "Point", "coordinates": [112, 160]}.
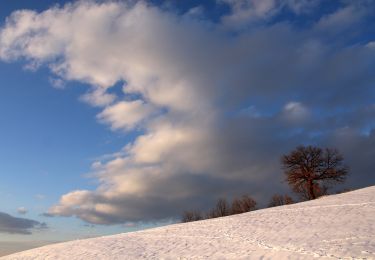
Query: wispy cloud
{"type": "Point", "coordinates": [22, 210]}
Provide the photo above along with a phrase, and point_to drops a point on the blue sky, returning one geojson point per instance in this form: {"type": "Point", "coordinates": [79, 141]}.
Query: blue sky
{"type": "Point", "coordinates": [49, 140]}
{"type": "Point", "coordinates": [116, 116]}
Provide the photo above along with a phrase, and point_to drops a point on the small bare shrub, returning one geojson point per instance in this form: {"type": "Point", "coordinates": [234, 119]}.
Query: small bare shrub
{"type": "Point", "coordinates": [278, 200]}
{"type": "Point", "coordinates": [189, 216]}
{"type": "Point", "coordinates": [243, 204]}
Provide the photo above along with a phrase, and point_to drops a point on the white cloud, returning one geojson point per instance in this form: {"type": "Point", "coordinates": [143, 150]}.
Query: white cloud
{"type": "Point", "coordinates": [125, 115]}
{"type": "Point", "coordinates": [161, 143]}
{"type": "Point", "coordinates": [22, 210]}
{"type": "Point", "coordinates": [57, 83]}
{"type": "Point", "coordinates": [98, 97]}
{"type": "Point", "coordinates": [248, 12]}
{"type": "Point", "coordinates": [341, 19]}
{"type": "Point", "coordinates": [295, 111]}
{"type": "Point", "coordinates": [189, 78]}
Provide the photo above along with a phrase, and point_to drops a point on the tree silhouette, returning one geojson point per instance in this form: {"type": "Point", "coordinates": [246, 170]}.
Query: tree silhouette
{"type": "Point", "coordinates": [309, 170]}
{"type": "Point", "coordinates": [243, 204]}
{"type": "Point", "coordinates": [221, 209]}
{"type": "Point", "coordinates": [189, 216]}
{"type": "Point", "coordinates": [279, 200]}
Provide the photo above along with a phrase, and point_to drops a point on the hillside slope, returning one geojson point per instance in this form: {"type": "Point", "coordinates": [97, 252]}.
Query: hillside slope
{"type": "Point", "coordinates": [337, 226]}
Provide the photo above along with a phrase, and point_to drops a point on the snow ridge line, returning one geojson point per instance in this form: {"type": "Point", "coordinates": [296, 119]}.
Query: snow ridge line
{"type": "Point", "coordinates": [325, 206]}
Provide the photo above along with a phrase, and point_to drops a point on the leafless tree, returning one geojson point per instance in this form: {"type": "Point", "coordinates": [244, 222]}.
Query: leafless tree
{"type": "Point", "coordinates": [189, 216]}
{"type": "Point", "coordinates": [243, 204]}
{"type": "Point", "coordinates": [220, 210]}
{"type": "Point", "coordinates": [309, 170]}
{"type": "Point", "coordinates": [212, 213]}
{"type": "Point", "coordinates": [279, 200]}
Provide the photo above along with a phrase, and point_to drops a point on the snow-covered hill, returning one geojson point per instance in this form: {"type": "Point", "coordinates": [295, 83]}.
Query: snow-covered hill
{"type": "Point", "coordinates": [337, 226]}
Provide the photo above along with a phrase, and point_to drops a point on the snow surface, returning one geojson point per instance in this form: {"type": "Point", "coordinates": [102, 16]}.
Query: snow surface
{"type": "Point", "coordinates": [333, 227]}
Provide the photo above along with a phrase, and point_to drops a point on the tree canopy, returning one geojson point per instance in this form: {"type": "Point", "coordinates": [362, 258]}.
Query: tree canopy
{"type": "Point", "coordinates": [310, 170]}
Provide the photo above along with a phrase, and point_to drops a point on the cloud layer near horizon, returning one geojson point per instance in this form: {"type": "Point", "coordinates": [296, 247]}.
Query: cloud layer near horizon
{"type": "Point", "coordinates": [214, 105]}
{"type": "Point", "coordinates": [14, 225]}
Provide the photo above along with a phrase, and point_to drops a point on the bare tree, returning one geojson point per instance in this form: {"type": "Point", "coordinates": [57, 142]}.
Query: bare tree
{"type": "Point", "coordinates": [279, 200]}
{"type": "Point", "coordinates": [243, 204]}
{"type": "Point", "coordinates": [211, 213]}
{"type": "Point", "coordinates": [309, 170]}
{"type": "Point", "coordinates": [189, 216]}
{"type": "Point", "coordinates": [220, 210]}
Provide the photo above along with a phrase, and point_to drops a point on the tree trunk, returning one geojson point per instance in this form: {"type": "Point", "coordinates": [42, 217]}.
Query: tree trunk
{"type": "Point", "coordinates": [311, 190]}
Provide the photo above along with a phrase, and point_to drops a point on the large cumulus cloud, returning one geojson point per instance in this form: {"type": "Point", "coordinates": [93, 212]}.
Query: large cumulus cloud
{"type": "Point", "coordinates": [214, 104]}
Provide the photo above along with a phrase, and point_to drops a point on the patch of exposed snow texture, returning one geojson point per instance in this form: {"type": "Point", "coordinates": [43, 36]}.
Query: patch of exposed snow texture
{"type": "Point", "coordinates": [333, 227]}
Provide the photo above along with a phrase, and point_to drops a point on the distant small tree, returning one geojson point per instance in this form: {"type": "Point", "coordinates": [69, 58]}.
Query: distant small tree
{"type": "Point", "coordinates": [189, 216]}
{"type": "Point", "coordinates": [221, 209]}
{"type": "Point", "coordinates": [243, 204]}
{"type": "Point", "coordinates": [212, 213]}
{"type": "Point", "coordinates": [309, 170]}
{"type": "Point", "coordinates": [279, 200]}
